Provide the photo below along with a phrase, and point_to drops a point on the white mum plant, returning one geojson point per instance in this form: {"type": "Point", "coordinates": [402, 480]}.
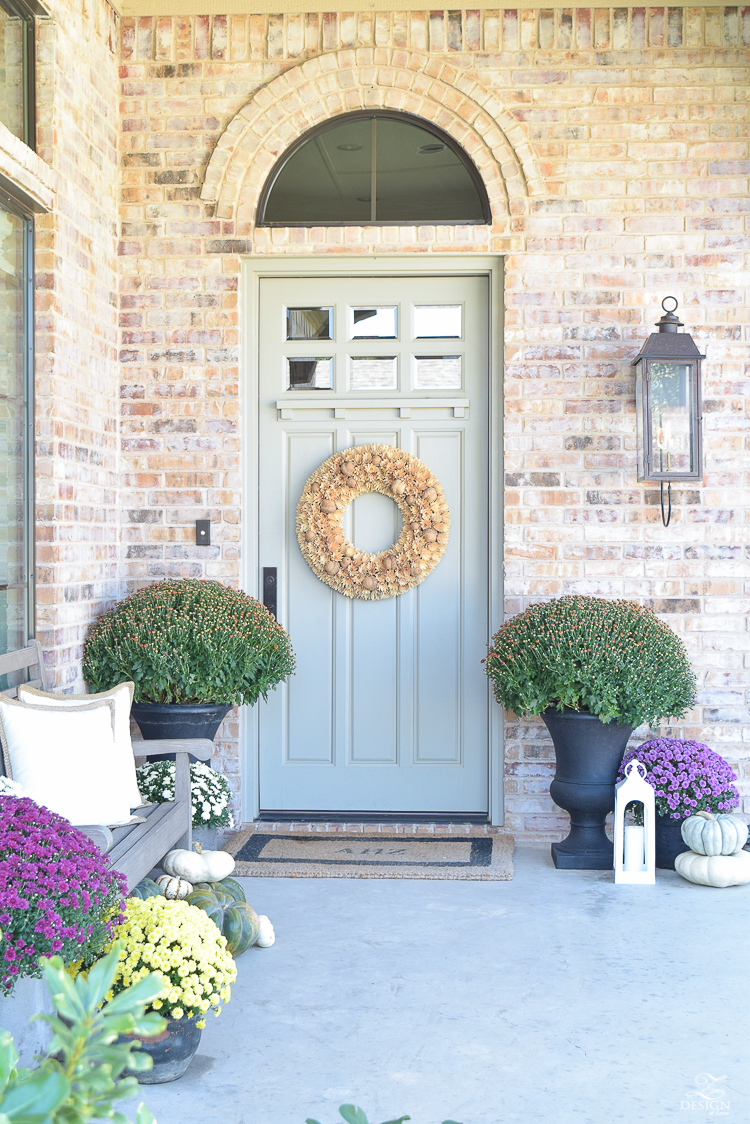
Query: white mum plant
{"type": "Point", "coordinates": [9, 787]}
{"type": "Point", "coordinates": [210, 792]}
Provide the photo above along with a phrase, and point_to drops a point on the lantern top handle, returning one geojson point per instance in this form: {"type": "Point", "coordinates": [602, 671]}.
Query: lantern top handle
{"type": "Point", "coordinates": [669, 322]}
{"type": "Point", "coordinates": [678, 347]}
{"type": "Point", "coordinates": [639, 767]}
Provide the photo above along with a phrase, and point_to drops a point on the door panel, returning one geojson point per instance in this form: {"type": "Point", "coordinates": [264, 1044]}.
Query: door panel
{"type": "Point", "coordinates": [388, 710]}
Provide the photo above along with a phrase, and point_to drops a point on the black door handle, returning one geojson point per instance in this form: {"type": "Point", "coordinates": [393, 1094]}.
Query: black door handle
{"type": "Point", "coordinates": [269, 588]}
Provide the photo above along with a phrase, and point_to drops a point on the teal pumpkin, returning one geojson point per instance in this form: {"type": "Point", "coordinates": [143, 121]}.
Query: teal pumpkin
{"type": "Point", "coordinates": [226, 890]}
{"type": "Point", "coordinates": [146, 888]}
{"type": "Point", "coordinates": [235, 920]}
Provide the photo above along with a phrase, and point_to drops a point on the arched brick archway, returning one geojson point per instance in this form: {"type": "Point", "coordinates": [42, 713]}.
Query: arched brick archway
{"type": "Point", "coordinates": [347, 80]}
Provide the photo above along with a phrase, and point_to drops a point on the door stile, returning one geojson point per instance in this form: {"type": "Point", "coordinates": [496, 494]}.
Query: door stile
{"type": "Point", "coordinates": [495, 524]}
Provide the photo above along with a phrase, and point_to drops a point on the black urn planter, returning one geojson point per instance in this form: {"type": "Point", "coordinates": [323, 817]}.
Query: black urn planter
{"type": "Point", "coordinates": [588, 753]}
{"type": "Point", "coordinates": [668, 841]}
{"type": "Point", "coordinates": [158, 721]}
{"type": "Point", "coordinates": [172, 1051]}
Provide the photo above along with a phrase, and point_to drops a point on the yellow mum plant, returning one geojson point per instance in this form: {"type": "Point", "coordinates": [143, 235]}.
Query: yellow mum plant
{"type": "Point", "coordinates": [182, 944]}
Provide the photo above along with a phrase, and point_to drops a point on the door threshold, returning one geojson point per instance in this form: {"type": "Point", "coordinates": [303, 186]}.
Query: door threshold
{"type": "Point", "coordinates": [372, 817]}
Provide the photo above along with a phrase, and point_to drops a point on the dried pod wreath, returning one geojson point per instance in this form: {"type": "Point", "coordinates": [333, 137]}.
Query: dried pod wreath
{"type": "Point", "coordinates": [320, 513]}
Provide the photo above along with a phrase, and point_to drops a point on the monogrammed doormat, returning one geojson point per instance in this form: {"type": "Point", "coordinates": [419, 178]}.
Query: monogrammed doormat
{"type": "Point", "coordinates": [487, 858]}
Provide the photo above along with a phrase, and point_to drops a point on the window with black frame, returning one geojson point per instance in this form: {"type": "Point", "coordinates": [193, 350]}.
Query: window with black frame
{"type": "Point", "coordinates": [16, 416]}
{"type": "Point", "coordinates": [377, 168]}
{"type": "Point", "coordinates": [17, 110]}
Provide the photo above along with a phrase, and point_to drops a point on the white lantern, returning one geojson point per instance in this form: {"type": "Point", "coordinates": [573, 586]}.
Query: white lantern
{"type": "Point", "coordinates": [635, 849]}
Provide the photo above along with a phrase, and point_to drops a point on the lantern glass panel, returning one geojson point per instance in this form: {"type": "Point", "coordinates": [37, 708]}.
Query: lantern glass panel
{"type": "Point", "coordinates": [672, 417]}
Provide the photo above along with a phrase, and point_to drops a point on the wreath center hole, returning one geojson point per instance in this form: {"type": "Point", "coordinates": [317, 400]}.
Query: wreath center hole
{"type": "Point", "coordinates": [373, 522]}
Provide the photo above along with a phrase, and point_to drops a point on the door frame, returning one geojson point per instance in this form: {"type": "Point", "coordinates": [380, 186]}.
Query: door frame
{"type": "Point", "coordinates": [253, 270]}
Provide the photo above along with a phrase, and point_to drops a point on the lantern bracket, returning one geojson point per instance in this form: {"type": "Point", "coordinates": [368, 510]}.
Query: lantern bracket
{"type": "Point", "coordinates": [666, 518]}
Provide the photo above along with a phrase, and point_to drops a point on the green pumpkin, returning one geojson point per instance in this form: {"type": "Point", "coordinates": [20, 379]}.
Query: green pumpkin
{"type": "Point", "coordinates": [226, 890]}
{"type": "Point", "coordinates": [235, 920]}
{"type": "Point", "coordinates": [146, 888]}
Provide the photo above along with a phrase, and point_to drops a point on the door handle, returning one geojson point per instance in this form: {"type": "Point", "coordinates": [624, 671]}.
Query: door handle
{"type": "Point", "coordinates": [269, 588]}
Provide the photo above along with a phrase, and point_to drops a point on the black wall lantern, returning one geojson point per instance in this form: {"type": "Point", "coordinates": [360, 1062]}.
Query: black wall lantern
{"type": "Point", "coordinates": [668, 406]}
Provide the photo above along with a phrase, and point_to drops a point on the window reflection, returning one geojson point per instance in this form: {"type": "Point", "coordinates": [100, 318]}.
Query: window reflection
{"type": "Point", "coordinates": [437, 321]}
{"type": "Point", "coordinates": [13, 590]}
{"type": "Point", "coordinates": [420, 179]}
{"type": "Point", "coordinates": [16, 39]}
{"type": "Point", "coordinates": [310, 373]}
{"type": "Point", "coordinates": [672, 436]}
{"type": "Point", "coordinates": [308, 323]}
{"type": "Point", "coordinates": [372, 323]}
{"type": "Point", "coordinates": [373, 372]}
{"type": "Point", "coordinates": [432, 372]}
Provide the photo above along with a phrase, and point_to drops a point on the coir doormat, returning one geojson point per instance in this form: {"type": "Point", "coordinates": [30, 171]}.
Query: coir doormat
{"type": "Point", "coordinates": [487, 858]}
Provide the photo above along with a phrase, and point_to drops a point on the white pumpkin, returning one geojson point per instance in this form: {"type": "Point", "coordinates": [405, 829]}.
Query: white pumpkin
{"type": "Point", "coordinates": [707, 834]}
{"type": "Point", "coordinates": [174, 888]}
{"type": "Point", "coordinates": [198, 866]}
{"type": "Point", "coordinates": [266, 935]}
{"type": "Point", "coordinates": [714, 870]}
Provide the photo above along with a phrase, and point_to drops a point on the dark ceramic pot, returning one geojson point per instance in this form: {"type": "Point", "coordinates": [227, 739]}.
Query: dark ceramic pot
{"type": "Point", "coordinates": [588, 753]}
{"type": "Point", "coordinates": [178, 720]}
{"type": "Point", "coordinates": [172, 1051]}
{"type": "Point", "coordinates": [669, 841]}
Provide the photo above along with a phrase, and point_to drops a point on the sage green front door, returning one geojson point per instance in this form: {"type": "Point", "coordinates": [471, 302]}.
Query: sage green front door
{"type": "Point", "coordinates": [388, 710]}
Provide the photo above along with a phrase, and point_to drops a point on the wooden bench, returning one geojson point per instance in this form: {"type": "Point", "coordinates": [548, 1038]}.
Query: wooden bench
{"type": "Point", "coordinates": [135, 849]}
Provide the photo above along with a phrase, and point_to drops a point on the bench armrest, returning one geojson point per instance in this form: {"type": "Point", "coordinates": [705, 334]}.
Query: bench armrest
{"type": "Point", "coordinates": [100, 835]}
{"type": "Point", "coordinates": [201, 748]}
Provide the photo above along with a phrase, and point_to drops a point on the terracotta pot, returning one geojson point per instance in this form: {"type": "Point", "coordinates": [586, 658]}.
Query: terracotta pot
{"type": "Point", "coordinates": [172, 1051]}
{"type": "Point", "coordinates": [588, 754]}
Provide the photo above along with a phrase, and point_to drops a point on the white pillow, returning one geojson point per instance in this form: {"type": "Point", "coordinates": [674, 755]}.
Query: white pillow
{"type": "Point", "coordinates": [65, 758]}
{"type": "Point", "coordinates": [122, 696]}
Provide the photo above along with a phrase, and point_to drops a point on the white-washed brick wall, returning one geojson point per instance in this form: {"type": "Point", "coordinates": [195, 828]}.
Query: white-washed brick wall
{"type": "Point", "coordinates": [76, 337]}
{"type": "Point", "coordinates": [614, 146]}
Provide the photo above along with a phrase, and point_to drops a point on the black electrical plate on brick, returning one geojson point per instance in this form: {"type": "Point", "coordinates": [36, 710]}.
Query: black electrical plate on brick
{"type": "Point", "coordinates": [203, 532]}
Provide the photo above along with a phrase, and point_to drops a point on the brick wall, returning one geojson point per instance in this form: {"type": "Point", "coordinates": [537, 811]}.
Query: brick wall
{"type": "Point", "coordinates": [76, 310]}
{"type": "Point", "coordinates": [614, 146]}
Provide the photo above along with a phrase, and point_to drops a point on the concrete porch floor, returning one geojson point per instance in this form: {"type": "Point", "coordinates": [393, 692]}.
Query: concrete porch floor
{"type": "Point", "coordinates": [556, 996]}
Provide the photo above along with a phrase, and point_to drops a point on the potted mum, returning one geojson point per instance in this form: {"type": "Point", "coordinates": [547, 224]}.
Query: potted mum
{"type": "Point", "coordinates": [193, 649]}
{"type": "Point", "coordinates": [210, 795]}
{"type": "Point", "coordinates": [181, 943]}
{"type": "Point", "coordinates": [593, 670]}
{"type": "Point", "coordinates": [687, 777]}
{"type": "Point", "coordinates": [57, 896]}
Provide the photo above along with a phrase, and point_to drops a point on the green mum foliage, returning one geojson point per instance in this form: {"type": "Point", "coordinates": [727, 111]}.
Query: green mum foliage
{"type": "Point", "coordinates": [82, 1078]}
{"type": "Point", "coordinates": [189, 641]}
{"type": "Point", "coordinates": [613, 658]}
{"type": "Point", "coordinates": [354, 1115]}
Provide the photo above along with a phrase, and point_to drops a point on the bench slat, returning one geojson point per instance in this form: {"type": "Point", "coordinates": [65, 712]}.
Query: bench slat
{"type": "Point", "coordinates": [137, 860]}
{"type": "Point", "coordinates": [138, 830]}
{"type": "Point", "coordinates": [201, 748]}
{"type": "Point", "coordinates": [147, 843]}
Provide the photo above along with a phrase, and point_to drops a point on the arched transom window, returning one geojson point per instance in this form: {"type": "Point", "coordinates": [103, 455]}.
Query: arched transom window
{"type": "Point", "coordinates": [380, 167]}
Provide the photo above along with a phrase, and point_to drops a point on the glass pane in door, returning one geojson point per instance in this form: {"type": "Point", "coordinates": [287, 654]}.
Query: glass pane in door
{"type": "Point", "coordinates": [373, 372]}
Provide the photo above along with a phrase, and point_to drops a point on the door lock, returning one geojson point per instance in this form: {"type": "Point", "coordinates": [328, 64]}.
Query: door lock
{"type": "Point", "coordinates": [269, 588]}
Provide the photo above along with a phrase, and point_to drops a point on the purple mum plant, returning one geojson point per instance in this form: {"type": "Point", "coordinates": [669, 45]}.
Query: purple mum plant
{"type": "Point", "coordinates": [687, 777]}
{"type": "Point", "coordinates": [57, 892]}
